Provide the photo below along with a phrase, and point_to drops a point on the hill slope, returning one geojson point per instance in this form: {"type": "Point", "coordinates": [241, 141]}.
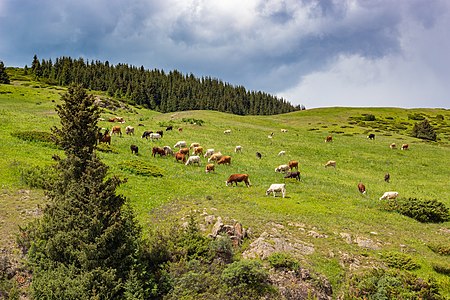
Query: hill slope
{"type": "Point", "coordinates": [323, 212]}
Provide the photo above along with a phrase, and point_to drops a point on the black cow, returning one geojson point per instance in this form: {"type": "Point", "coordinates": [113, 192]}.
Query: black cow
{"type": "Point", "coordinates": [169, 128]}
{"type": "Point", "coordinates": [146, 134]}
{"type": "Point", "coordinates": [371, 136]}
{"type": "Point", "coordinates": [134, 149]}
{"type": "Point", "coordinates": [387, 177]}
{"type": "Point", "coordinates": [258, 155]}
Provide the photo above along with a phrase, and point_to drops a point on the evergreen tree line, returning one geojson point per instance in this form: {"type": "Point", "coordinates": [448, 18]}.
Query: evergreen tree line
{"type": "Point", "coordinates": [157, 90]}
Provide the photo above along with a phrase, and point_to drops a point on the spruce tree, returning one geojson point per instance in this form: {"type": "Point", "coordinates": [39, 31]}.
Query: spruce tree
{"type": "Point", "coordinates": [87, 243]}
{"type": "Point", "coordinates": [4, 78]}
{"type": "Point", "coordinates": [424, 130]}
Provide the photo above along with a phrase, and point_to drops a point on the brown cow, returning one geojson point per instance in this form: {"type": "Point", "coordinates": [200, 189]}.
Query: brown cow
{"type": "Point", "coordinates": [215, 157]}
{"type": "Point", "coordinates": [405, 147]}
{"type": "Point", "coordinates": [116, 130]}
{"type": "Point", "coordinates": [293, 164]}
{"type": "Point", "coordinates": [184, 151]}
{"type": "Point", "coordinates": [225, 160]}
{"type": "Point", "coordinates": [295, 175]}
{"type": "Point", "coordinates": [198, 150]}
{"type": "Point", "coordinates": [238, 178]}
{"type": "Point", "coordinates": [328, 139]}
{"type": "Point", "coordinates": [158, 150]}
{"type": "Point", "coordinates": [209, 168]}
{"type": "Point", "coordinates": [180, 156]}
{"type": "Point", "coordinates": [106, 138]}
{"type": "Point", "coordinates": [361, 188]}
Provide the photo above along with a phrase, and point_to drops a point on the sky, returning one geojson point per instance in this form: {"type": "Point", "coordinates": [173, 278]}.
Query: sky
{"type": "Point", "coordinates": [322, 53]}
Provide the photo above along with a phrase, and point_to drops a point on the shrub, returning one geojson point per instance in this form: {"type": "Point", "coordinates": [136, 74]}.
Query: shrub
{"type": "Point", "coordinates": [441, 269]}
{"type": "Point", "coordinates": [36, 176]}
{"type": "Point", "coordinates": [103, 147]}
{"type": "Point", "coordinates": [400, 261]}
{"type": "Point", "coordinates": [425, 211]}
{"type": "Point", "coordinates": [440, 249]}
{"type": "Point", "coordinates": [424, 131]}
{"type": "Point", "coordinates": [193, 121]}
{"type": "Point", "coordinates": [141, 168]}
{"type": "Point", "coordinates": [440, 117]}
{"type": "Point", "coordinates": [283, 260]}
{"type": "Point", "coordinates": [416, 117]}
{"type": "Point", "coordinates": [368, 117]}
{"type": "Point", "coordinates": [34, 136]}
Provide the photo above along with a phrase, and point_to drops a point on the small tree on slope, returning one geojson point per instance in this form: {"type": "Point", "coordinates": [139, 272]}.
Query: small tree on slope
{"type": "Point", "coordinates": [4, 78]}
{"type": "Point", "coordinates": [87, 243]}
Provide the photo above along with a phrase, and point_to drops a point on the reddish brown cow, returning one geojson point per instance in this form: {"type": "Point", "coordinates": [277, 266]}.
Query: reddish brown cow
{"type": "Point", "coordinates": [209, 168]}
{"type": "Point", "coordinates": [180, 156]}
{"type": "Point", "coordinates": [158, 150]}
{"type": "Point", "coordinates": [225, 160]}
{"type": "Point", "coordinates": [184, 151]}
{"type": "Point", "coordinates": [238, 178]}
{"type": "Point", "coordinates": [361, 188]}
{"type": "Point", "coordinates": [106, 138]}
{"type": "Point", "coordinates": [328, 139]}
{"type": "Point", "coordinates": [198, 150]}
{"type": "Point", "coordinates": [116, 130]}
{"type": "Point", "coordinates": [293, 164]}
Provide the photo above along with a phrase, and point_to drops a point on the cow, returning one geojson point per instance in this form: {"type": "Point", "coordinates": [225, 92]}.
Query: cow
{"type": "Point", "coordinates": [277, 187]}
{"type": "Point", "coordinates": [169, 128]}
{"type": "Point", "coordinates": [330, 163]}
{"type": "Point", "coordinates": [146, 134]}
{"type": "Point", "coordinates": [180, 144]}
{"type": "Point", "coordinates": [258, 155]}
{"type": "Point", "coordinates": [117, 119]}
{"type": "Point", "coordinates": [387, 177]}
{"type": "Point", "coordinates": [295, 175]}
{"type": "Point", "coordinates": [180, 129]}
{"type": "Point", "coordinates": [134, 149]}
{"type": "Point", "coordinates": [405, 147]}
{"type": "Point", "coordinates": [197, 150]}
{"type": "Point", "coordinates": [215, 157]}
{"type": "Point", "coordinates": [193, 160]}
{"type": "Point", "coordinates": [238, 149]}
{"type": "Point", "coordinates": [281, 153]}
{"type": "Point", "coordinates": [209, 168]}
{"type": "Point", "coordinates": [168, 150]}
{"type": "Point", "coordinates": [224, 160]}
{"type": "Point", "coordinates": [154, 136]}
{"type": "Point", "coordinates": [389, 195]}
{"type": "Point", "coordinates": [238, 178]}
{"type": "Point", "coordinates": [209, 152]}
{"type": "Point", "coordinates": [293, 164]}
{"type": "Point", "coordinates": [116, 130]}
{"type": "Point", "coordinates": [361, 188]}
{"type": "Point", "coordinates": [160, 132]}
{"type": "Point", "coordinates": [282, 168]}
{"type": "Point", "coordinates": [129, 130]}
{"type": "Point", "coordinates": [393, 146]}
{"type": "Point", "coordinates": [184, 151]}
{"type": "Point", "coordinates": [106, 138]}
{"type": "Point", "coordinates": [180, 156]}
{"type": "Point", "coordinates": [270, 135]}
{"type": "Point", "coordinates": [228, 131]}
{"type": "Point", "coordinates": [371, 136]}
{"type": "Point", "coordinates": [193, 145]}
{"type": "Point", "coordinates": [328, 139]}
{"type": "Point", "coordinates": [158, 150]}
{"type": "Point", "coordinates": [284, 130]}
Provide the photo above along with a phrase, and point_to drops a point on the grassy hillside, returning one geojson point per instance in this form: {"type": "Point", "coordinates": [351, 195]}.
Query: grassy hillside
{"type": "Point", "coordinates": [322, 210]}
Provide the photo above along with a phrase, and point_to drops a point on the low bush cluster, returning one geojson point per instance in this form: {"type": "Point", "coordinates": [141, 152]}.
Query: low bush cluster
{"type": "Point", "coordinates": [283, 260]}
{"type": "Point", "coordinates": [34, 136]}
{"type": "Point", "coordinates": [416, 117]}
{"type": "Point", "coordinates": [441, 269]}
{"type": "Point", "coordinates": [400, 261]}
{"type": "Point", "coordinates": [425, 211]}
{"type": "Point", "coordinates": [141, 168]}
{"type": "Point", "coordinates": [193, 121]}
{"type": "Point", "coordinates": [36, 176]}
{"type": "Point", "coordinates": [440, 248]}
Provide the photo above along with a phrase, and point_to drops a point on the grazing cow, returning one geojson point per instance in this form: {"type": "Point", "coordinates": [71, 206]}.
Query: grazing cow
{"type": "Point", "coordinates": [140, 124]}
{"type": "Point", "coordinates": [193, 145]}
{"type": "Point", "coordinates": [129, 130]}
{"type": "Point", "coordinates": [209, 152]}
{"type": "Point", "coordinates": [330, 163]}
{"type": "Point", "coordinates": [224, 160]}
{"type": "Point", "coordinates": [270, 135]}
{"type": "Point", "coordinates": [387, 177]}
{"type": "Point", "coordinates": [134, 149]}
{"type": "Point", "coordinates": [169, 128]}
{"type": "Point", "coordinates": [228, 131]}
{"type": "Point", "coordinates": [371, 136]}
{"type": "Point", "coordinates": [146, 134]}
{"type": "Point", "coordinates": [197, 150]}
{"type": "Point", "coordinates": [389, 195]}
{"type": "Point", "coordinates": [284, 130]}
{"type": "Point", "coordinates": [180, 144]}
{"type": "Point", "coordinates": [184, 151]}
{"type": "Point", "coordinates": [281, 153]}
{"type": "Point", "coordinates": [180, 156]}
{"type": "Point", "coordinates": [238, 178]}
{"type": "Point", "coordinates": [277, 187]}
{"type": "Point", "coordinates": [168, 150]}
{"type": "Point", "coordinates": [405, 147]}
{"type": "Point", "coordinates": [215, 157]}
{"type": "Point", "coordinates": [154, 136]}
{"type": "Point", "coordinates": [258, 155]}
{"type": "Point", "coordinates": [328, 139]}
{"type": "Point", "coordinates": [209, 168]}
{"type": "Point", "coordinates": [238, 149]}
{"type": "Point", "coordinates": [193, 160]}
{"type": "Point", "coordinates": [393, 146]}
{"type": "Point", "coordinates": [293, 164]}
{"type": "Point", "coordinates": [117, 119]}
{"type": "Point", "coordinates": [361, 188]}
{"type": "Point", "coordinates": [160, 132]}
{"type": "Point", "coordinates": [282, 168]}
{"type": "Point", "coordinates": [116, 130]}
{"type": "Point", "coordinates": [105, 138]}
{"type": "Point", "coordinates": [180, 129]}
{"type": "Point", "coordinates": [158, 150]}
{"type": "Point", "coordinates": [295, 175]}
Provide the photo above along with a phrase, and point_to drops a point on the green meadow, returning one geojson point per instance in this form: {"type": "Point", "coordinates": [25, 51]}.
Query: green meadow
{"type": "Point", "coordinates": [326, 200]}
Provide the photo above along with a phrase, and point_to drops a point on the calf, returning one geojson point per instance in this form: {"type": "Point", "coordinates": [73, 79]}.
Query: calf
{"type": "Point", "coordinates": [371, 136]}
{"type": "Point", "coordinates": [328, 139]}
{"type": "Point", "coordinates": [295, 175]}
{"type": "Point", "coordinates": [277, 187]}
{"type": "Point", "coordinates": [361, 188]}
{"type": "Point", "coordinates": [193, 160]}
{"type": "Point", "coordinates": [158, 150]}
{"type": "Point", "coordinates": [224, 160]}
{"type": "Point", "coordinates": [389, 195]}
{"type": "Point", "coordinates": [129, 130]}
{"type": "Point", "coordinates": [293, 164]}
{"type": "Point", "coordinates": [330, 163]}
{"type": "Point", "coordinates": [387, 177]}
{"type": "Point", "coordinates": [134, 149]}
{"type": "Point", "coordinates": [237, 178]}
{"type": "Point", "coordinates": [209, 168]}
{"type": "Point", "coordinates": [282, 168]}
{"type": "Point", "coordinates": [405, 147]}
{"type": "Point", "coordinates": [180, 157]}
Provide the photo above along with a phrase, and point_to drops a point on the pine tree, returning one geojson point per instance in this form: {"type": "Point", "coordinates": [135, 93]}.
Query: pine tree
{"type": "Point", "coordinates": [424, 130]}
{"type": "Point", "coordinates": [4, 78]}
{"type": "Point", "coordinates": [87, 243]}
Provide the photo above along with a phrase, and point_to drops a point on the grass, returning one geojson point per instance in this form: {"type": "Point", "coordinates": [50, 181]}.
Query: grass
{"type": "Point", "coordinates": [325, 200]}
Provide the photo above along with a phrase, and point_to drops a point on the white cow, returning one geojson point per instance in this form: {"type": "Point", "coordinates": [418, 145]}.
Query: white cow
{"type": "Point", "coordinates": [282, 168]}
{"type": "Point", "coordinates": [277, 187]}
{"type": "Point", "coordinates": [154, 136]}
{"type": "Point", "coordinates": [215, 157]}
{"type": "Point", "coordinates": [180, 144]}
{"type": "Point", "coordinates": [238, 149]}
{"type": "Point", "coordinates": [209, 152]}
{"type": "Point", "coordinates": [168, 150]}
{"type": "Point", "coordinates": [129, 130]}
{"type": "Point", "coordinates": [193, 145]}
{"type": "Point", "coordinates": [194, 159]}
{"type": "Point", "coordinates": [228, 131]}
{"type": "Point", "coordinates": [281, 153]}
{"type": "Point", "coordinates": [330, 163]}
{"type": "Point", "coordinates": [389, 195]}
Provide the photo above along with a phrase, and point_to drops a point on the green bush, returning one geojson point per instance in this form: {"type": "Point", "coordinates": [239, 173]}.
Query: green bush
{"type": "Point", "coordinates": [425, 211]}
{"type": "Point", "coordinates": [283, 260]}
{"type": "Point", "coordinates": [368, 117]}
{"type": "Point", "coordinates": [34, 136]}
{"type": "Point", "coordinates": [193, 121]}
{"type": "Point", "coordinates": [416, 117]}
{"type": "Point", "coordinates": [440, 249]}
{"type": "Point", "coordinates": [441, 269]}
{"type": "Point", "coordinates": [103, 147]}
{"type": "Point", "coordinates": [400, 261]}
{"type": "Point", "coordinates": [36, 176]}
{"type": "Point", "coordinates": [141, 168]}
{"type": "Point", "coordinates": [424, 130]}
